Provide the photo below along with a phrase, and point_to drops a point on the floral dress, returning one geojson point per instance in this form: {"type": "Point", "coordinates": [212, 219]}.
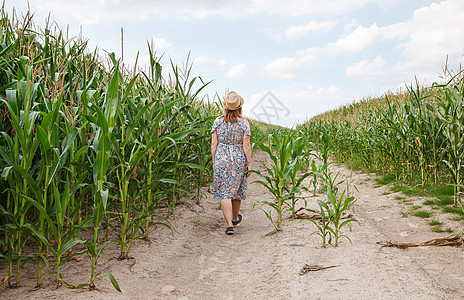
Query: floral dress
{"type": "Point", "coordinates": [229, 180]}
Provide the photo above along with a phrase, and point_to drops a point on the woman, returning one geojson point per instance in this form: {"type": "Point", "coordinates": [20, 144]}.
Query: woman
{"type": "Point", "coordinates": [231, 151]}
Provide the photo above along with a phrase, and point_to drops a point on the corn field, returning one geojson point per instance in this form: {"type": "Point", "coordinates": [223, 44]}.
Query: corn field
{"type": "Point", "coordinates": [93, 153]}
{"type": "Point", "coordinates": [90, 151]}
{"type": "Point", "coordinates": [416, 137]}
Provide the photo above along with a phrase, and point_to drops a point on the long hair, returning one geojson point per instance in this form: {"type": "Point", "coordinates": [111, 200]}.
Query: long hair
{"type": "Point", "coordinates": [231, 116]}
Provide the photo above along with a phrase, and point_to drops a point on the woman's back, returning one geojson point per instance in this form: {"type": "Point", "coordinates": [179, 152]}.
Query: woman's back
{"type": "Point", "coordinates": [230, 133]}
{"type": "Point", "coordinates": [231, 153]}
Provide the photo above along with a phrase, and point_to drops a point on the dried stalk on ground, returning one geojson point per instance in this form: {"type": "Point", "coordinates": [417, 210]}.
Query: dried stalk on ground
{"type": "Point", "coordinates": [307, 213]}
{"type": "Point", "coordinates": [449, 241]}
{"type": "Point", "coordinates": [311, 268]}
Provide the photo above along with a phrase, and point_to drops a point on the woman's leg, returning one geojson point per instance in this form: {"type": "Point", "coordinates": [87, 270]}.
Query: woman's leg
{"type": "Point", "coordinates": [226, 206]}
{"type": "Point", "coordinates": [235, 208]}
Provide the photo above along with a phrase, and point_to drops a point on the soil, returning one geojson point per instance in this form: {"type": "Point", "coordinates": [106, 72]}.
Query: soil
{"type": "Point", "coordinates": [199, 261]}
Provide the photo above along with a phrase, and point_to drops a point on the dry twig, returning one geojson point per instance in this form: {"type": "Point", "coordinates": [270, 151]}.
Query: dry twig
{"type": "Point", "coordinates": [307, 213]}
{"type": "Point", "coordinates": [449, 241]}
{"type": "Point", "coordinates": [311, 268]}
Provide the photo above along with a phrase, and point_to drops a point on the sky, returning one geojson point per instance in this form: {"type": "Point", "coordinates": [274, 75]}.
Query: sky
{"type": "Point", "coordinates": [290, 60]}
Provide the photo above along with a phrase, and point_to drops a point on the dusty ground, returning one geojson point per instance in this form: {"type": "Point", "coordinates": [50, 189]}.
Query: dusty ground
{"type": "Point", "coordinates": [201, 262]}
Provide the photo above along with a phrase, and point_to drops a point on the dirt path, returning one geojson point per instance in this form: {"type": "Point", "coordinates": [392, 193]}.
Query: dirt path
{"type": "Point", "coordinates": [201, 262]}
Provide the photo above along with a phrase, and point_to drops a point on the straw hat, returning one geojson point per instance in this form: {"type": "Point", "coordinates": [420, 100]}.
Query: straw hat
{"type": "Point", "coordinates": [233, 101]}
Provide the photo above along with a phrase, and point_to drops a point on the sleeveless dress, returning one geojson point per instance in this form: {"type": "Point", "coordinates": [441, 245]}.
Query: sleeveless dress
{"type": "Point", "coordinates": [229, 181]}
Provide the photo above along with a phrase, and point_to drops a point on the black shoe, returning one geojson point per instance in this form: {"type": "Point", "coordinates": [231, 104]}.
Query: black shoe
{"type": "Point", "coordinates": [235, 223]}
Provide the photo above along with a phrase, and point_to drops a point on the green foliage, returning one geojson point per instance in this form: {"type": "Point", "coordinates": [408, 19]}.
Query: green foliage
{"type": "Point", "coordinates": [428, 202]}
{"type": "Point", "coordinates": [88, 147]}
{"type": "Point", "coordinates": [332, 213]}
{"type": "Point", "coordinates": [422, 214]}
{"type": "Point", "coordinates": [454, 210]}
{"type": "Point", "coordinates": [324, 226]}
{"type": "Point", "coordinates": [442, 190]}
{"type": "Point", "coordinates": [407, 190]}
{"type": "Point", "coordinates": [435, 222]}
{"type": "Point", "coordinates": [286, 154]}
{"type": "Point", "coordinates": [389, 178]}
{"type": "Point", "coordinates": [445, 200]}
{"type": "Point", "coordinates": [415, 137]}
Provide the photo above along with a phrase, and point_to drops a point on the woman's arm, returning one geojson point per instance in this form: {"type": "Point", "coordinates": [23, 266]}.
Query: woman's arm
{"type": "Point", "coordinates": [214, 143]}
{"type": "Point", "coordinates": [247, 148]}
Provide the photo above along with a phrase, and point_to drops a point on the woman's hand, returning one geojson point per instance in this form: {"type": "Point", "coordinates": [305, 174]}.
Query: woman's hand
{"type": "Point", "coordinates": [248, 169]}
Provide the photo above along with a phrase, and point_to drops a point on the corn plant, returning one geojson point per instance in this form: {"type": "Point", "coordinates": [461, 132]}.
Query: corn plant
{"type": "Point", "coordinates": [64, 237]}
{"type": "Point", "coordinates": [105, 120]}
{"type": "Point", "coordinates": [317, 174]}
{"type": "Point", "coordinates": [87, 146]}
{"type": "Point", "coordinates": [298, 158]}
{"type": "Point", "coordinates": [414, 135]}
{"type": "Point", "coordinates": [324, 226]}
{"type": "Point", "coordinates": [279, 172]}
{"type": "Point", "coordinates": [23, 148]}
{"type": "Point", "coordinates": [452, 115]}
{"type": "Point", "coordinates": [332, 221]}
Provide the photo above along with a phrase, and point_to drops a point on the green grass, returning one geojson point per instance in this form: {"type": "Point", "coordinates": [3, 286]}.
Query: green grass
{"type": "Point", "coordinates": [442, 190]}
{"type": "Point", "coordinates": [428, 202]}
{"type": "Point", "coordinates": [440, 229]}
{"type": "Point", "coordinates": [386, 193]}
{"type": "Point", "coordinates": [407, 190]}
{"type": "Point", "coordinates": [435, 222]}
{"type": "Point", "coordinates": [422, 214]}
{"type": "Point", "coordinates": [416, 207]}
{"type": "Point", "coordinates": [400, 197]}
{"type": "Point", "coordinates": [457, 218]}
{"type": "Point", "coordinates": [389, 178]}
{"type": "Point", "coordinates": [444, 200]}
{"type": "Point", "coordinates": [453, 210]}
{"type": "Point", "coordinates": [437, 229]}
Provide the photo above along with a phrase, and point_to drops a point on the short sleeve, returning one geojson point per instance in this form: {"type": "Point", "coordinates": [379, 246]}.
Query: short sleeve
{"type": "Point", "coordinates": [245, 127]}
{"type": "Point", "coordinates": [216, 123]}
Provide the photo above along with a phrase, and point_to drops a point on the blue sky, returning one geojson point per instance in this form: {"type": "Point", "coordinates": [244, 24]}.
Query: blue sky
{"type": "Point", "coordinates": [312, 56]}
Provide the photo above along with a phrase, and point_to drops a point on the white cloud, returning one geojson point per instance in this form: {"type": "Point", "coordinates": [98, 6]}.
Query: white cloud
{"type": "Point", "coordinates": [283, 67]}
{"type": "Point", "coordinates": [203, 62]}
{"type": "Point", "coordinates": [161, 43]}
{"type": "Point", "coordinates": [300, 30]}
{"type": "Point", "coordinates": [299, 7]}
{"type": "Point", "coordinates": [365, 68]}
{"type": "Point", "coordinates": [356, 41]}
{"type": "Point", "coordinates": [433, 34]}
{"type": "Point", "coordinates": [331, 90]}
{"type": "Point", "coordinates": [272, 34]}
{"type": "Point", "coordinates": [236, 71]}
{"type": "Point", "coordinates": [422, 44]}
{"type": "Point", "coordinates": [113, 11]}
{"type": "Point", "coordinates": [301, 103]}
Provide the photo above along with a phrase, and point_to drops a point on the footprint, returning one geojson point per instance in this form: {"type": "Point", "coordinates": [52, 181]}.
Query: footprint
{"type": "Point", "coordinates": [168, 289]}
{"type": "Point", "coordinates": [201, 259]}
{"type": "Point", "coordinates": [206, 272]}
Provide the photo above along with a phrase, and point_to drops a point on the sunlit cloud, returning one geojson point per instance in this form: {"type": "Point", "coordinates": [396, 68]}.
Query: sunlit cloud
{"type": "Point", "coordinates": [236, 71]}
{"type": "Point", "coordinates": [161, 43]}
{"type": "Point", "coordinates": [96, 12]}
{"type": "Point", "coordinates": [208, 62]}
{"type": "Point", "coordinates": [284, 67]}
{"type": "Point", "coordinates": [300, 30]}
